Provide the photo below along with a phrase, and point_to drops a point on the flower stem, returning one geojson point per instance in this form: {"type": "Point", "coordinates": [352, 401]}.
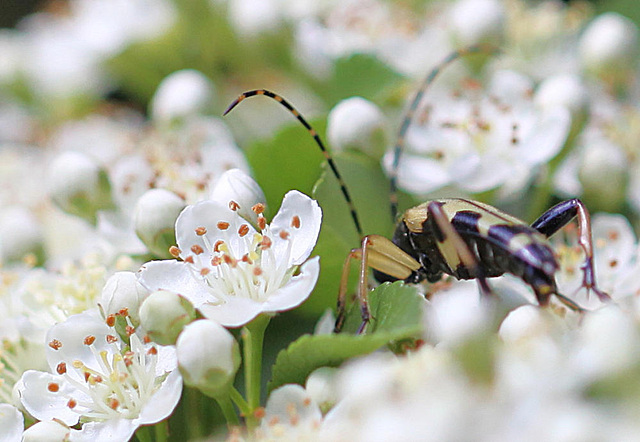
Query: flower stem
{"type": "Point", "coordinates": [240, 402]}
{"type": "Point", "coordinates": [228, 411]}
{"type": "Point", "coordinates": [252, 338]}
{"type": "Point", "coordinates": [161, 431]}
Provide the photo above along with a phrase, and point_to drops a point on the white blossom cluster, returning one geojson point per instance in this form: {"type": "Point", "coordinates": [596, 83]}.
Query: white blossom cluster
{"type": "Point", "coordinates": [138, 254]}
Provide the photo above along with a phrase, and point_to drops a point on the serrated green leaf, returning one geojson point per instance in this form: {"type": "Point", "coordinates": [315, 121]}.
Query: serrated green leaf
{"type": "Point", "coordinates": [397, 312]}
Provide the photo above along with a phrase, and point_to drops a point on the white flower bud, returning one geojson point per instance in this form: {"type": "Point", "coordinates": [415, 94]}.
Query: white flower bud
{"type": "Point", "coordinates": [155, 219]}
{"type": "Point", "coordinates": [208, 357]}
{"type": "Point", "coordinates": [46, 431]}
{"type": "Point", "coordinates": [477, 21]}
{"type": "Point", "coordinates": [356, 123]}
{"type": "Point", "coordinates": [123, 291]}
{"type": "Point", "coordinates": [609, 45]}
{"type": "Point", "coordinates": [180, 94]}
{"type": "Point", "coordinates": [79, 186]}
{"type": "Point", "coordinates": [320, 386]}
{"type": "Point", "coordinates": [238, 190]}
{"type": "Point", "coordinates": [603, 174]}
{"type": "Point", "coordinates": [164, 314]}
{"type": "Point", "coordinates": [20, 236]}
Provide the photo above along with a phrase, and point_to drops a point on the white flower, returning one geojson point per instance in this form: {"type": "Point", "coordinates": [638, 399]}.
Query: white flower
{"type": "Point", "coordinates": [47, 431]}
{"type": "Point", "coordinates": [164, 314]}
{"type": "Point", "coordinates": [478, 143]}
{"type": "Point", "coordinates": [98, 380]}
{"type": "Point", "coordinates": [231, 272]}
{"type": "Point", "coordinates": [123, 291]}
{"type": "Point", "coordinates": [477, 21]}
{"type": "Point", "coordinates": [155, 217]}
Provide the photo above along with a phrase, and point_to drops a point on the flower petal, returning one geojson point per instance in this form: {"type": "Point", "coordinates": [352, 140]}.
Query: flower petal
{"type": "Point", "coordinates": [113, 429]}
{"type": "Point", "coordinates": [164, 401]}
{"type": "Point", "coordinates": [11, 423]}
{"type": "Point", "coordinates": [234, 312]}
{"type": "Point", "coordinates": [35, 390]}
{"type": "Point", "coordinates": [174, 276]}
{"type": "Point", "coordinates": [297, 290]}
{"type": "Point", "coordinates": [303, 230]}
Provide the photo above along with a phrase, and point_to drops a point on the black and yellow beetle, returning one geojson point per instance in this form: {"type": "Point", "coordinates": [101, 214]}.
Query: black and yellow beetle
{"type": "Point", "coordinates": [459, 237]}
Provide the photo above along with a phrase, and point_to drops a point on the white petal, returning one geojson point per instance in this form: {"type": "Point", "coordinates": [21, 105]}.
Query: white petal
{"type": "Point", "coordinates": [113, 429]}
{"type": "Point", "coordinates": [43, 404]}
{"type": "Point", "coordinates": [11, 423]}
{"type": "Point", "coordinates": [72, 333]}
{"type": "Point", "coordinates": [303, 238]}
{"type": "Point", "coordinates": [174, 276]}
{"type": "Point", "coordinates": [297, 290]}
{"type": "Point", "coordinates": [236, 185]}
{"type": "Point", "coordinates": [235, 312]}
{"type": "Point", "coordinates": [281, 401]}
{"type": "Point", "coordinates": [546, 137]}
{"type": "Point", "coordinates": [164, 401]}
{"type": "Point", "coordinates": [420, 175]}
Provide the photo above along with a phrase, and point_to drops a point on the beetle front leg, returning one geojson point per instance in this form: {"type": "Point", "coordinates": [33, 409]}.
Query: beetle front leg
{"type": "Point", "coordinates": [559, 216]}
{"type": "Point", "coordinates": [381, 254]}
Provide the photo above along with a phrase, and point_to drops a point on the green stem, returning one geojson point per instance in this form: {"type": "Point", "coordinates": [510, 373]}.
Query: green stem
{"type": "Point", "coordinates": [161, 431]}
{"type": "Point", "coordinates": [240, 402]}
{"type": "Point", "coordinates": [252, 338]}
{"type": "Point", "coordinates": [228, 411]}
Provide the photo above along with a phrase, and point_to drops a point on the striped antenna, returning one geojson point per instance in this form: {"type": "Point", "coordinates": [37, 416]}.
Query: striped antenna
{"type": "Point", "coordinates": [315, 136]}
{"type": "Point", "coordinates": [410, 112]}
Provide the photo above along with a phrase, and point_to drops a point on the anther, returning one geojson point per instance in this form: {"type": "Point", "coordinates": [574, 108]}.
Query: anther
{"type": "Point", "coordinates": [197, 249]}
{"type": "Point", "coordinates": [174, 251]}
{"type": "Point", "coordinates": [111, 320]}
{"type": "Point", "coordinates": [216, 246]}
{"type": "Point", "coordinates": [72, 403]}
{"type": "Point", "coordinates": [61, 368]}
{"type": "Point", "coordinates": [233, 205]}
{"type": "Point", "coordinates": [129, 330]}
{"type": "Point", "coordinates": [295, 222]}
{"type": "Point", "coordinates": [257, 271]}
{"type": "Point", "coordinates": [284, 234]}
{"type": "Point", "coordinates": [258, 208]}
{"type": "Point", "coordinates": [201, 231]}
{"type": "Point", "coordinates": [189, 259]}
{"type": "Point", "coordinates": [89, 340]}
{"type": "Point", "coordinates": [113, 403]}
{"type": "Point", "coordinates": [55, 344]}
{"type": "Point", "coordinates": [204, 271]}
{"type": "Point", "coordinates": [222, 225]}
{"type": "Point", "coordinates": [152, 351]}
{"type": "Point", "coordinates": [216, 261]}
{"type": "Point", "coordinates": [265, 243]}
{"type": "Point", "coordinates": [243, 230]}
{"type": "Point", "coordinates": [53, 387]}
{"type": "Point", "coordinates": [262, 223]}
{"type": "Point", "coordinates": [111, 339]}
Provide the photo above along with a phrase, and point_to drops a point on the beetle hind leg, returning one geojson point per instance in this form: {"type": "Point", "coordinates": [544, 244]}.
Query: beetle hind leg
{"type": "Point", "coordinates": [559, 216]}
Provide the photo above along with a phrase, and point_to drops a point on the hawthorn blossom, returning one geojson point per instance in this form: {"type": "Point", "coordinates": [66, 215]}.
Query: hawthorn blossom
{"type": "Point", "coordinates": [230, 271]}
{"type": "Point", "coordinates": [481, 142]}
{"type": "Point", "coordinates": [96, 379]}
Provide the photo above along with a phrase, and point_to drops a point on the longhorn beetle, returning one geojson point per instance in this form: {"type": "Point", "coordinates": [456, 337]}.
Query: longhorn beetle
{"type": "Point", "coordinates": [462, 238]}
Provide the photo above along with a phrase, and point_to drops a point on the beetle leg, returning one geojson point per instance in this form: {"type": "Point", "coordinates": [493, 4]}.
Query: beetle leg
{"type": "Point", "coordinates": [559, 216]}
{"type": "Point", "coordinates": [378, 253]}
{"type": "Point", "coordinates": [453, 248]}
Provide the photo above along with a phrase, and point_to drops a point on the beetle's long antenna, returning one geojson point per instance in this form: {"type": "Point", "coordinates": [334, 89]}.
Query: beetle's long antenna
{"type": "Point", "coordinates": [410, 112]}
{"type": "Point", "coordinates": [315, 136]}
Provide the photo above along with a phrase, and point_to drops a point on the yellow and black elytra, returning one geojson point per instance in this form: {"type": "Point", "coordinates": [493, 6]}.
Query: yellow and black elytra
{"type": "Point", "coordinates": [462, 238]}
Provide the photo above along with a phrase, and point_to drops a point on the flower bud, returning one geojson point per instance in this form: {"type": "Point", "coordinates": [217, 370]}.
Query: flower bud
{"type": "Point", "coordinates": [20, 236]}
{"type": "Point", "coordinates": [155, 219]}
{"type": "Point", "coordinates": [181, 94]}
{"type": "Point", "coordinates": [609, 46]}
{"type": "Point", "coordinates": [46, 431]}
{"type": "Point", "coordinates": [208, 357]}
{"type": "Point", "coordinates": [164, 314]}
{"type": "Point", "coordinates": [320, 386]}
{"type": "Point", "coordinates": [240, 192]}
{"type": "Point", "coordinates": [477, 21]}
{"type": "Point", "coordinates": [79, 186]}
{"type": "Point", "coordinates": [123, 291]}
{"type": "Point", "coordinates": [356, 123]}
{"type": "Point", "coordinates": [603, 174]}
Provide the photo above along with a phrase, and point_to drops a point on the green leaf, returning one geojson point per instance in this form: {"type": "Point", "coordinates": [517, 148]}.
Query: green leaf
{"type": "Point", "coordinates": [397, 312]}
{"type": "Point", "coordinates": [362, 75]}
